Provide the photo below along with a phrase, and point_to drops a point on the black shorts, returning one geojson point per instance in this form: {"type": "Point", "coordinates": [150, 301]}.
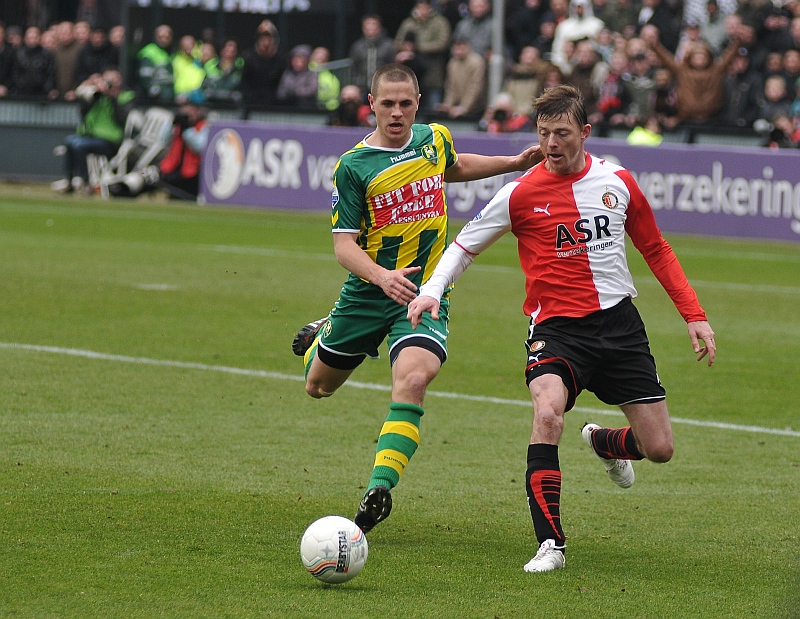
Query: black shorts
{"type": "Point", "coordinates": [606, 352]}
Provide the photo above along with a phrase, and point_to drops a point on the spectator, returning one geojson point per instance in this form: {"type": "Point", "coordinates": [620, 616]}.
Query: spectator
{"type": "Point", "coordinates": [298, 85]}
{"type": "Point", "coordinates": [96, 56]}
{"type": "Point", "coordinates": [224, 74]}
{"type": "Point", "coordinates": [66, 59]}
{"type": "Point", "coordinates": [34, 70]}
{"type": "Point", "coordinates": [328, 85]}
{"type": "Point", "coordinates": [116, 37]}
{"type": "Point", "coordinates": [603, 44]}
{"type": "Point", "coordinates": [794, 32]}
{"type": "Point", "coordinates": [524, 26]}
{"type": "Point", "coordinates": [784, 133]}
{"type": "Point", "coordinates": [501, 117]}
{"type": "Point", "coordinates": [523, 78]}
{"type": "Point", "coordinates": [6, 62]}
{"type": "Point", "coordinates": [746, 33]}
{"type": "Point", "coordinates": [14, 37]}
{"type": "Point", "coordinates": [743, 88]}
{"type": "Point", "coordinates": [774, 100]}
{"type": "Point", "coordinates": [104, 107]}
{"type": "Point", "coordinates": [774, 32]}
{"type": "Point", "coordinates": [476, 27]}
{"type": "Point", "coordinates": [180, 167]}
{"type": "Point", "coordinates": [156, 81]}
{"type": "Point", "coordinates": [646, 134]}
{"type": "Point", "coordinates": [544, 41]}
{"type": "Point", "coordinates": [689, 37]}
{"type": "Point", "coordinates": [611, 95]}
{"type": "Point", "coordinates": [551, 76]}
{"type": "Point", "coordinates": [408, 56]}
{"type": "Point", "coordinates": [791, 65]}
{"type": "Point", "coordinates": [639, 89]}
{"type": "Point", "coordinates": [622, 17]}
{"type": "Point", "coordinates": [374, 49]}
{"type": "Point", "coordinates": [665, 98]}
{"type": "Point", "coordinates": [581, 24]}
{"type": "Point", "coordinates": [713, 30]}
{"type": "Point", "coordinates": [588, 76]}
{"type": "Point", "coordinates": [49, 39]}
{"type": "Point", "coordinates": [431, 32]}
{"type": "Point", "coordinates": [657, 14]}
{"type": "Point", "coordinates": [352, 111]}
{"type": "Point", "coordinates": [698, 80]}
{"type": "Point", "coordinates": [188, 73]}
{"type": "Point", "coordinates": [465, 83]}
{"type": "Point", "coordinates": [559, 10]}
{"type": "Point", "coordinates": [773, 65]}
{"type": "Point", "coordinates": [81, 31]}
{"type": "Point", "coordinates": [263, 67]}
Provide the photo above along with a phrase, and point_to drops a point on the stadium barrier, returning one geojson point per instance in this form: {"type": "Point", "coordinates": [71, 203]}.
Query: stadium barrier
{"type": "Point", "coordinates": [708, 190]}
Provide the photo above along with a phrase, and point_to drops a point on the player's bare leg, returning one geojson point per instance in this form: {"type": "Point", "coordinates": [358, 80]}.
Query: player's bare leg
{"type": "Point", "coordinates": [322, 380]}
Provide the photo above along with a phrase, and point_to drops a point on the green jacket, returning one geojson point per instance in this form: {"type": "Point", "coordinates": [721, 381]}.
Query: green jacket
{"type": "Point", "coordinates": [105, 117]}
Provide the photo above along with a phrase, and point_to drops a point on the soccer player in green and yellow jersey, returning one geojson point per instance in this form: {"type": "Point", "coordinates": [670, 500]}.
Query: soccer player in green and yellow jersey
{"type": "Point", "coordinates": [389, 221]}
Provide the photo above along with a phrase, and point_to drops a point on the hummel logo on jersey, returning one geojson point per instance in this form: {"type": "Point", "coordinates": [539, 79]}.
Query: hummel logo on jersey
{"type": "Point", "coordinates": [545, 210]}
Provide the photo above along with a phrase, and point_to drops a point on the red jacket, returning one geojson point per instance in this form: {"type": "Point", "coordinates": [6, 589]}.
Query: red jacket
{"type": "Point", "coordinates": [180, 156]}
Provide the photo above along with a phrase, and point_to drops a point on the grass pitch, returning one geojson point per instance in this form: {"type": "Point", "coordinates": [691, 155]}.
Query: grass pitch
{"type": "Point", "coordinates": [158, 457]}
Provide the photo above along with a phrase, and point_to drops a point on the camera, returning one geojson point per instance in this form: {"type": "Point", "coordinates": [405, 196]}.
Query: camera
{"type": "Point", "coordinates": [500, 116]}
{"type": "Point", "coordinates": [182, 120]}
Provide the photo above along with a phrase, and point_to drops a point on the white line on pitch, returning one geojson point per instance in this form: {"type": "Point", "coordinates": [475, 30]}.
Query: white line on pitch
{"type": "Point", "coordinates": [89, 354]}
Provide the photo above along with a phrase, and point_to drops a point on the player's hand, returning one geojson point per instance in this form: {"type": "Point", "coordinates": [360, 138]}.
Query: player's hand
{"type": "Point", "coordinates": [418, 306]}
{"type": "Point", "coordinates": [701, 330]}
{"type": "Point", "coordinates": [397, 286]}
{"type": "Point", "coordinates": [529, 158]}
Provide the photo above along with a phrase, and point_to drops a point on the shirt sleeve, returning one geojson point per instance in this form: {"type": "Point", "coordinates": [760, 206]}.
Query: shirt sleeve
{"type": "Point", "coordinates": [642, 228]}
{"type": "Point", "coordinates": [489, 225]}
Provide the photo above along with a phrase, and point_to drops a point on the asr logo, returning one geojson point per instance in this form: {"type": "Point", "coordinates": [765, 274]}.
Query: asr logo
{"type": "Point", "coordinates": [430, 154]}
{"type": "Point", "coordinates": [223, 166]}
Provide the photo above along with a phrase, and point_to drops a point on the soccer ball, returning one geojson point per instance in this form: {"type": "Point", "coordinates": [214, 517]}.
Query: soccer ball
{"type": "Point", "coordinates": [334, 549]}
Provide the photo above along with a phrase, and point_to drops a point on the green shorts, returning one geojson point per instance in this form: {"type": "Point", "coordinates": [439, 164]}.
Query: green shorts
{"type": "Point", "coordinates": [360, 322]}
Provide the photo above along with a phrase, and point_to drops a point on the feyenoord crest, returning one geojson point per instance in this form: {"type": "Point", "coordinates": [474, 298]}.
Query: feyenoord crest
{"type": "Point", "coordinates": [610, 199]}
{"type": "Point", "coordinates": [536, 346]}
{"type": "Point", "coordinates": [430, 154]}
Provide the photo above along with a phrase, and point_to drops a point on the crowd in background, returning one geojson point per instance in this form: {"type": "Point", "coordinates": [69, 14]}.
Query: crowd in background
{"type": "Point", "coordinates": [640, 64]}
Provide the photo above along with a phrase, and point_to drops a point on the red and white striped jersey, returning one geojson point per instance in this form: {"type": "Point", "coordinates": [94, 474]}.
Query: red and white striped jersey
{"type": "Point", "coordinates": [571, 235]}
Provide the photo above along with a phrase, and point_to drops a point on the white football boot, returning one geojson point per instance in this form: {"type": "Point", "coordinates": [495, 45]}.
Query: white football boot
{"type": "Point", "coordinates": [548, 558]}
{"type": "Point", "coordinates": [620, 471]}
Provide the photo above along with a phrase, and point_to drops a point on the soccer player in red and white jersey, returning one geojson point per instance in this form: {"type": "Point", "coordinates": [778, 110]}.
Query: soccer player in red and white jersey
{"type": "Point", "coordinates": [570, 215]}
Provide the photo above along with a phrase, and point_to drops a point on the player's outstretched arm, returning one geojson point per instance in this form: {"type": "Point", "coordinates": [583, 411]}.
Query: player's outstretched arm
{"type": "Point", "coordinates": [470, 166]}
{"type": "Point", "coordinates": [701, 331]}
{"type": "Point", "coordinates": [422, 303]}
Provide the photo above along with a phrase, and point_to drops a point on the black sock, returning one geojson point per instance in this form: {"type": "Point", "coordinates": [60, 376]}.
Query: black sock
{"type": "Point", "coordinates": [543, 485]}
{"type": "Point", "coordinates": [617, 444]}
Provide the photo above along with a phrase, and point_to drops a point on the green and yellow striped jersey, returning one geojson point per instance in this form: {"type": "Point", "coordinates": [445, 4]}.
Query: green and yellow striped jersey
{"type": "Point", "coordinates": [394, 199]}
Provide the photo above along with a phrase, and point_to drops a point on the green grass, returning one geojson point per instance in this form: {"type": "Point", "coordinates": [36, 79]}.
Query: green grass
{"type": "Point", "coordinates": [131, 489]}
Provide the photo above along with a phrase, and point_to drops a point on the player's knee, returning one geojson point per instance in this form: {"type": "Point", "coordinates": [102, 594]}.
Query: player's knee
{"type": "Point", "coordinates": [660, 452]}
{"type": "Point", "coordinates": [414, 384]}
{"type": "Point", "coordinates": [316, 391]}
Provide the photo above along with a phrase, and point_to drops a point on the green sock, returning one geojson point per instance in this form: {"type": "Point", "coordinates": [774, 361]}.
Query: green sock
{"type": "Point", "coordinates": [398, 441]}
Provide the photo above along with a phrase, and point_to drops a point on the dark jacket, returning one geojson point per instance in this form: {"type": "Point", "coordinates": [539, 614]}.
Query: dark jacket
{"type": "Point", "coordinates": [33, 71]}
{"type": "Point", "coordinates": [261, 76]}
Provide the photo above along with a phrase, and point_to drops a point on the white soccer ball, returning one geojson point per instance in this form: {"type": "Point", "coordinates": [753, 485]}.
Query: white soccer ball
{"type": "Point", "coordinates": [334, 549]}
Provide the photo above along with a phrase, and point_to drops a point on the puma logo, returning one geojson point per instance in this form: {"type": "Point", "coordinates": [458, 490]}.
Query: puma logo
{"type": "Point", "coordinates": [545, 210]}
